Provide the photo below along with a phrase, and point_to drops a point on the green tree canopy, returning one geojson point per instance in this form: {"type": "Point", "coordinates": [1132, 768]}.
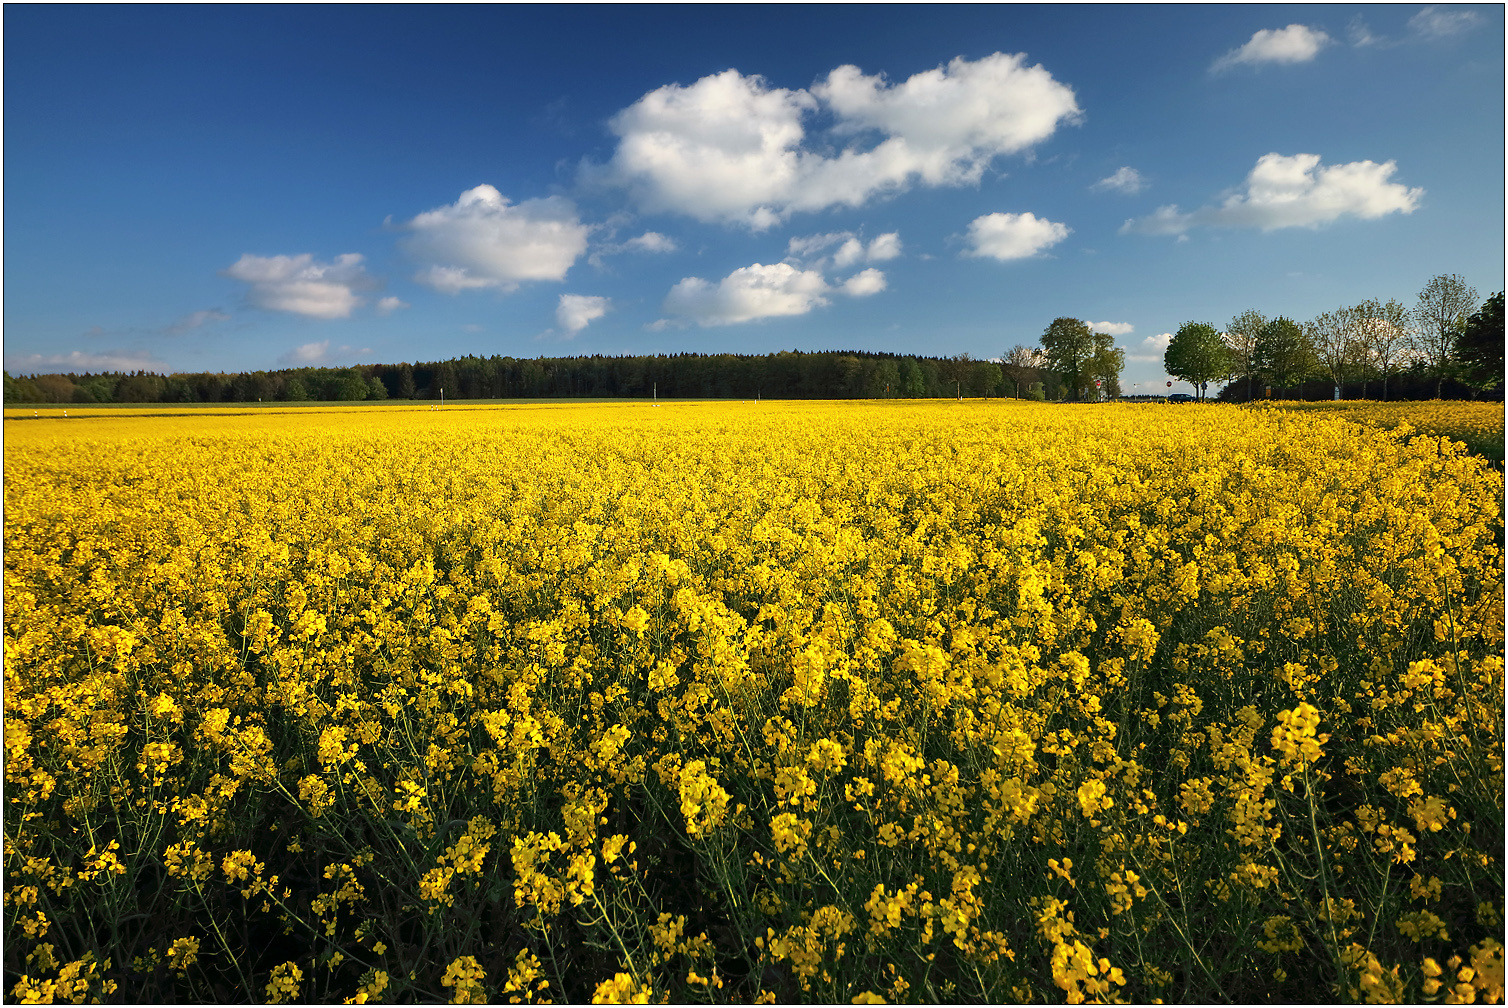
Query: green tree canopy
{"type": "Point", "coordinates": [1197, 354]}
{"type": "Point", "coordinates": [1080, 356]}
{"type": "Point", "coordinates": [1480, 348]}
{"type": "Point", "coordinates": [1283, 355]}
{"type": "Point", "coordinates": [1106, 367]}
{"type": "Point", "coordinates": [1241, 340]}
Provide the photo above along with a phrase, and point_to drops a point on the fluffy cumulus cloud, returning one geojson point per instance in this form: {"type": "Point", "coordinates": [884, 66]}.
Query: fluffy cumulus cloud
{"type": "Point", "coordinates": [1293, 191]}
{"type": "Point", "coordinates": [483, 240]}
{"type": "Point", "coordinates": [864, 283]}
{"type": "Point", "coordinates": [749, 293]}
{"type": "Point", "coordinates": [730, 148]}
{"type": "Point", "coordinates": [1122, 180]}
{"type": "Point", "coordinates": [388, 305]}
{"type": "Point", "coordinates": [1111, 328]}
{"type": "Point", "coordinates": [1295, 44]}
{"type": "Point", "coordinates": [760, 291]}
{"type": "Point", "coordinates": [302, 285]}
{"type": "Point", "coordinates": [576, 311]}
{"type": "Point", "coordinates": [1013, 235]}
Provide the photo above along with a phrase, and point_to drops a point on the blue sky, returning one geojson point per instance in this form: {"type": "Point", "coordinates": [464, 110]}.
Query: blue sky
{"type": "Point", "coordinates": [232, 188]}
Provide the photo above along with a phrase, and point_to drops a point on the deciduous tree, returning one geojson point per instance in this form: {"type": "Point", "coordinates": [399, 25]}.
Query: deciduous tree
{"type": "Point", "coordinates": [1383, 333]}
{"type": "Point", "coordinates": [1439, 316]}
{"type": "Point", "coordinates": [1283, 355]}
{"type": "Point", "coordinates": [1021, 364]}
{"type": "Point", "coordinates": [1197, 354]}
{"type": "Point", "coordinates": [1335, 336]}
{"type": "Point", "coordinates": [1080, 355]}
{"type": "Point", "coordinates": [1241, 340]}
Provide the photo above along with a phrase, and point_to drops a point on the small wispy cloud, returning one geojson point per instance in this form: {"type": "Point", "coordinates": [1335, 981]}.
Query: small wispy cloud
{"type": "Point", "coordinates": [1124, 180]}
{"type": "Point", "coordinates": [313, 354]}
{"type": "Point", "coordinates": [847, 250]}
{"type": "Point", "coordinates": [196, 320]}
{"type": "Point", "coordinates": [1295, 44]}
{"type": "Point", "coordinates": [77, 361]}
{"type": "Point", "coordinates": [650, 242]}
{"type": "Point", "coordinates": [1436, 23]}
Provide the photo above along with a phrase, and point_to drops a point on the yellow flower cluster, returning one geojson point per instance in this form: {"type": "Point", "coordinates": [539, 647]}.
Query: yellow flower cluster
{"type": "Point", "coordinates": [841, 702]}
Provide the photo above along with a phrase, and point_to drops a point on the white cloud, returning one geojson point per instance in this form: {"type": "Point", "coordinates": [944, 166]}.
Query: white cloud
{"type": "Point", "coordinates": [1361, 35]}
{"type": "Point", "coordinates": [388, 305]}
{"type": "Point", "coordinates": [1013, 236]}
{"type": "Point", "coordinates": [1295, 44]}
{"type": "Point", "coordinates": [1429, 25]}
{"type": "Point", "coordinates": [749, 293]}
{"type": "Point", "coordinates": [651, 241]}
{"type": "Point", "coordinates": [802, 249]}
{"type": "Point", "coordinates": [1123, 180]}
{"type": "Point", "coordinates": [306, 354]}
{"type": "Point", "coordinates": [850, 253]}
{"type": "Point", "coordinates": [194, 320]}
{"type": "Point", "coordinates": [886, 246]}
{"type": "Point", "coordinates": [302, 285]}
{"type": "Point", "coordinates": [1434, 23]}
{"type": "Point", "coordinates": [1150, 349]}
{"type": "Point", "coordinates": [577, 310]}
{"type": "Point", "coordinates": [483, 240]}
{"type": "Point", "coordinates": [1111, 328]}
{"type": "Point", "coordinates": [77, 361]}
{"type": "Point", "coordinates": [811, 251]}
{"type": "Point", "coordinates": [310, 354]}
{"type": "Point", "coordinates": [864, 283]}
{"type": "Point", "coordinates": [1293, 191]}
{"type": "Point", "coordinates": [732, 149]}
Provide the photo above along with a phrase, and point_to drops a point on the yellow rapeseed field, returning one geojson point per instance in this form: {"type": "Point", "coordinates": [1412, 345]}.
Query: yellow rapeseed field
{"type": "Point", "coordinates": [1479, 425]}
{"type": "Point", "coordinates": [834, 702]}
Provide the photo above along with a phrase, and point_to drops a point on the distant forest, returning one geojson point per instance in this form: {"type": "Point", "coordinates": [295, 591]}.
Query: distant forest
{"type": "Point", "coordinates": [784, 375]}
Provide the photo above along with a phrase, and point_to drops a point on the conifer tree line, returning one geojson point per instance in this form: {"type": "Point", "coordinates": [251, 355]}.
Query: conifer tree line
{"type": "Point", "coordinates": [1443, 346]}
{"type": "Point", "coordinates": [784, 375]}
